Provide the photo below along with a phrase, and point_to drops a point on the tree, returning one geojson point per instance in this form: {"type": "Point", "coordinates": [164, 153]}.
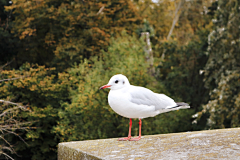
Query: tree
{"type": "Point", "coordinates": [182, 64]}
{"type": "Point", "coordinates": [42, 92]}
{"type": "Point", "coordinates": [192, 18]}
{"type": "Point", "coordinates": [10, 122]}
{"type": "Point", "coordinates": [161, 24]}
{"type": "Point", "coordinates": [222, 74]}
{"type": "Point", "coordinates": [61, 33]}
{"type": "Point", "coordinates": [181, 69]}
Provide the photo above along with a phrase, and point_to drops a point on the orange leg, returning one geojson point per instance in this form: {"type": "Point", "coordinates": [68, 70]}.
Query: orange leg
{"type": "Point", "coordinates": [129, 132]}
{"type": "Point", "coordinates": [139, 137]}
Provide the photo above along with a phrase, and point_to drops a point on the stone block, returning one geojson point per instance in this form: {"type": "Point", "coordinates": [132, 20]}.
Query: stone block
{"type": "Point", "coordinates": [209, 144]}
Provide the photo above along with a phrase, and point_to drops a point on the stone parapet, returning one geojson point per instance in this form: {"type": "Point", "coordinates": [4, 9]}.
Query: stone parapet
{"type": "Point", "coordinates": [209, 144]}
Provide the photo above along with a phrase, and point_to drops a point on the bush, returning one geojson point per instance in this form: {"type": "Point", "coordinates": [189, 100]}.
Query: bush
{"type": "Point", "coordinates": [41, 92]}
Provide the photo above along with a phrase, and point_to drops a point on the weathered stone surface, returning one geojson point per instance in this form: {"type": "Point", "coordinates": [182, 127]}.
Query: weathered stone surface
{"type": "Point", "coordinates": [211, 144]}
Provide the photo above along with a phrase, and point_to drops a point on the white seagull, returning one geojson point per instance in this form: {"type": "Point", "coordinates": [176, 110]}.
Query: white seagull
{"type": "Point", "coordinates": [137, 102]}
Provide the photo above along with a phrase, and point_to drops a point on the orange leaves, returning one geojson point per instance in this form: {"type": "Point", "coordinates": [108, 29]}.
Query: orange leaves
{"type": "Point", "coordinates": [34, 78]}
{"type": "Point", "coordinates": [69, 31]}
{"type": "Point", "coordinates": [33, 87]}
{"type": "Point", "coordinates": [98, 30]}
{"type": "Point", "coordinates": [27, 32]}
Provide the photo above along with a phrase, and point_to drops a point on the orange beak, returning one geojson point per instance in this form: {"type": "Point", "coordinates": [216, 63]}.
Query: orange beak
{"type": "Point", "coordinates": [105, 86]}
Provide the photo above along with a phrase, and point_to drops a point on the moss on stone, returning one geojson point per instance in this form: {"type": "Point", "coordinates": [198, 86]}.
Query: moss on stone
{"type": "Point", "coordinates": [210, 144]}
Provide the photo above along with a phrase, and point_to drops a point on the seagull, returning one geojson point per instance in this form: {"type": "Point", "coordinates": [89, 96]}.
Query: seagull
{"type": "Point", "coordinates": [137, 102]}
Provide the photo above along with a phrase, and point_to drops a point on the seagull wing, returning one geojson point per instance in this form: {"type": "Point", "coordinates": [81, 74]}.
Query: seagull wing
{"type": "Point", "coordinates": [144, 96]}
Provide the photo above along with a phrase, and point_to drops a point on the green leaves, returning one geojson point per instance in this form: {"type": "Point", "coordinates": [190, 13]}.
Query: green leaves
{"type": "Point", "coordinates": [222, 69]}
{"type": "Point", "coordinates": [40, 91]}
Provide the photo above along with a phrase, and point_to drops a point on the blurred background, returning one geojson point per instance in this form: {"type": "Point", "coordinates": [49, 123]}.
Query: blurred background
{"type": "Point", "coordinates": [55, 54]}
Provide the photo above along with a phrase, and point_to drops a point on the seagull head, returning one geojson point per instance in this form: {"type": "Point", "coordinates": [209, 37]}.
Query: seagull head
{"type": "Point", "coordinates": [117, 82]}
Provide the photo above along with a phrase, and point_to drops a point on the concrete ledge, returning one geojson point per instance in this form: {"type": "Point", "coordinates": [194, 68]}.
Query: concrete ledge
{"type": "Point", "coordinates": [210, 144]}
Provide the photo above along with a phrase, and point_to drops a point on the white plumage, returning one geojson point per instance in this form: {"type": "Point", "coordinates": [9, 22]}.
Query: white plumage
{"type": "Point", "coordinates": [137, 102]}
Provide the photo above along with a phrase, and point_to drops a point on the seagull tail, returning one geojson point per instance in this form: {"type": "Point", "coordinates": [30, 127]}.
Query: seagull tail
{"type": "Point", "coordinates": [183, 105]}
{"type": "Point", "coordinates": [180, 105]}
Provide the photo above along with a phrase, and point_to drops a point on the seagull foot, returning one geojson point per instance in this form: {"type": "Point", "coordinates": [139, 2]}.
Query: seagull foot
{"type": "Point", "coordinates": [135, 139]}
{"type": "Point", "coordinates": [124, 139]}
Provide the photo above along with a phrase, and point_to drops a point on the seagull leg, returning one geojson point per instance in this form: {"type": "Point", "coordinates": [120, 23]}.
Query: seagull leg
{"type": "Point", "coordinates": [139, 137]}
{"type": "Point", "coordinates": [129, 132]}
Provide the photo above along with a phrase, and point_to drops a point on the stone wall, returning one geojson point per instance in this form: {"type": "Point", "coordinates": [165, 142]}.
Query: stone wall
{"type": "Point", "coordinates": [210, 144]}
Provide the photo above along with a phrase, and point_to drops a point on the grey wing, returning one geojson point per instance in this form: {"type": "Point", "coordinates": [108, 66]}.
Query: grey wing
{"type": "Point", "coordinates": [144, 96]}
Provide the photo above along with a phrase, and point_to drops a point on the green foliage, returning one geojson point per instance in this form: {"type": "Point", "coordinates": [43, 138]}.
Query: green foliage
{"type": "Point", "coordinates": [42, 93]}
{"type": "Point", "coordinates": [145, 27]}
{"type": "Point", "coordinates": [224, 106]}
{"type": "Point", "coordinates": [180, 71]}
{"type": "Point", "coordinates": [222, 68]}
{"type": "Point", "coordinates": [180, 75]}
{"type": "Point", "coordinates": [83, 40]}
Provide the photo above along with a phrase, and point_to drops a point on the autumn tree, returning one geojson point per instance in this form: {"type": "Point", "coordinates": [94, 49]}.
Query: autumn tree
{"type": "Point", "coordinates": [55, 33]}
{"type": "Point", "coordinates": [75, 46]}
{"type": "Point", "coordinates": [59, 33]}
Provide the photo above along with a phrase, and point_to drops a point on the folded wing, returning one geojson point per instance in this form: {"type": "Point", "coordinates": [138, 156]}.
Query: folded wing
{"type": "Point", "coordinates": [144, 96]}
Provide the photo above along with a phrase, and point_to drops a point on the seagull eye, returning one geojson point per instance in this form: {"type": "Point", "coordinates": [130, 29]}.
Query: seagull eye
{"type": "Point", "coordinates": [116, 81]}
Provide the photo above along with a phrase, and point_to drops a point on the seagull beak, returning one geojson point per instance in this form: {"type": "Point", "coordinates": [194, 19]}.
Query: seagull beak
{"type": "Point", "coordinates": [105, 86]}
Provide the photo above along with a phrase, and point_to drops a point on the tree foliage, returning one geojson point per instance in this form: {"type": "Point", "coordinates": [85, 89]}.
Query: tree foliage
{"type": "Point", "coordinates": [222, 68]}
{"type": "Point", "coordinates": [59, 33]}
{"type": "Point", "coordinates": [58, 53]}
{"type": "Point", "coordinates": [42, 93]}
{"type": "Point", "coordinates": [181, 69]}
{"type": "Point", "coordinates": [185, 56]}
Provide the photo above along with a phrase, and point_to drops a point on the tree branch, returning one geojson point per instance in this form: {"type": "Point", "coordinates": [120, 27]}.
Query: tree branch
{"type": "Point", "coordinates": [175, 19]}
{"type": "Point", "coordinates": [10, 79]}
{"type": "Point", "coordinates": [9, 102]}
{"type": "Point", "coordinates": [145, 8]}
{"type": "Point", "coordinates": [11, 109]}
{"type": "Point", "coordinates": [7, 155]}
{"type": "Point", "coordinates": [100, 10]}
{"type": "Point", "coordinates": [6, 64]}
{"type": "Point", "coordinates": [11, 132]}
{"type": "Point", "coordinates": [149, 52]}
